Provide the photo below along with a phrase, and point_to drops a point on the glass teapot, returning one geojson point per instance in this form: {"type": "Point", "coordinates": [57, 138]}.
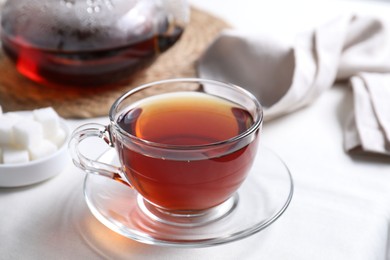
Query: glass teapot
{"type": "Point", "coordinates": [89, 42]}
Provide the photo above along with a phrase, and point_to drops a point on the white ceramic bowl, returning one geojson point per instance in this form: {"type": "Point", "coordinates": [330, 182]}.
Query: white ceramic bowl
{"type": "Point", "coordinates": [22, 174]}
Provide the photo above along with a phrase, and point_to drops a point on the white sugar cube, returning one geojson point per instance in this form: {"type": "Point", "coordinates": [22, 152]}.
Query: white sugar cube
{"type": "Point", "coordinates": [17, 117]}
{"type": "Point", "coordinates": [49, 119]}
{"type": "Point", "coordinates": [12, 155]}
{"type": "Point", "coordinates": [44, 148]}
{"type": "Point", "coordinates": [59, 138]}
{"type": "Point", "coordinates": [6, 132]}
{"type": "Point", "coordinates": [27, 133]}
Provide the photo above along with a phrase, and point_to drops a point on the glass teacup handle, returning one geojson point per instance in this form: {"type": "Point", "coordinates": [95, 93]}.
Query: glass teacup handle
{"type": "Point", "coordinates": [92, 166]}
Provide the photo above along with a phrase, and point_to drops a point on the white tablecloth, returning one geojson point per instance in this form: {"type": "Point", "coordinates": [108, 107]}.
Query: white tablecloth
{"type": "Point", "coordinates": [341, 204]}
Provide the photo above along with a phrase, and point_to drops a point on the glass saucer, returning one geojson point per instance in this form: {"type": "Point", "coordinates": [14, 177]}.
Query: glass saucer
{"type": "Point", "coordinates": [262, 199]}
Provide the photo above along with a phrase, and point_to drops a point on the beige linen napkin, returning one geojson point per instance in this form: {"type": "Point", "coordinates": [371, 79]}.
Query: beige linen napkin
{"type": "Point", "coordinates": [287, 74]}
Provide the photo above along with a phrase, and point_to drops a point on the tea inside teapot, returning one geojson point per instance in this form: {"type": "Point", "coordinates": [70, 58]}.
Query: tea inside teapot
{"type": "Point", "coordinates": [89, 42]}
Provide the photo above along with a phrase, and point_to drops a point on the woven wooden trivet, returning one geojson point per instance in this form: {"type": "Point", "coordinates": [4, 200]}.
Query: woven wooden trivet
{"type": "Point", "coordinates": [19, 93]}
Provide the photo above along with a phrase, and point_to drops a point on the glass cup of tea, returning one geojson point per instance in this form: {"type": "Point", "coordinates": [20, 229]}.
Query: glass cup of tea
{"type": "Point", "coordinates": [89, 42]}
{"type": "Point", "coordinates": [184, 145]}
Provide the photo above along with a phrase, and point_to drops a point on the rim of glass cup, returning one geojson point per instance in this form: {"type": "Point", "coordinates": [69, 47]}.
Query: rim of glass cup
{"type": "Point", "coordinates": [256, 124]}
